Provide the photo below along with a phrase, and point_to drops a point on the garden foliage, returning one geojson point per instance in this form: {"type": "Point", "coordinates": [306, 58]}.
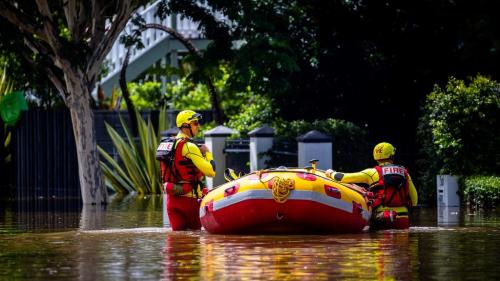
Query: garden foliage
{"type": "Point", "coordinates": [458, 130]}
{"type": "Point", "coordinates": [147, 95]}
{"type": "Point", "coordinates": [137, 170]}
{"type": "Point", "coordinates": [482, 191]}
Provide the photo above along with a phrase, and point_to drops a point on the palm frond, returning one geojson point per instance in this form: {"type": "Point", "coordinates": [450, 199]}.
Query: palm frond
{"type": "Point", "coordinates": [139, 171]}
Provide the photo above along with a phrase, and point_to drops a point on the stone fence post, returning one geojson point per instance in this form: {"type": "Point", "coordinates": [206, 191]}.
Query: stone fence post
{"type": "Point", "coordinates": [448, 201]}
{"type": "Point", "coordinates": [315, 145]}
{"type": "Point", "coordinates": [261, 140]}
{"type": "Point", "coordinates": [215, 140]}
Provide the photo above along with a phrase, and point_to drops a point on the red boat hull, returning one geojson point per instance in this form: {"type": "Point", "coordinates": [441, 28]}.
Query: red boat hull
{"type": "Point", "coordinates": [267, 216]}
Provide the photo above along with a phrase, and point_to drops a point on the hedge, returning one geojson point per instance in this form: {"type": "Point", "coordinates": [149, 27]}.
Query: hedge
{"type": "Point", "coordinates": [482, 191]}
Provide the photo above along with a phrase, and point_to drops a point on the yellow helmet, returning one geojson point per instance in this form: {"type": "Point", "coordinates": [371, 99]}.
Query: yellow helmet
{"type": "Point", "coordinates": [383, 150]}
{"type": "Point", "coordinates": [186, 116]}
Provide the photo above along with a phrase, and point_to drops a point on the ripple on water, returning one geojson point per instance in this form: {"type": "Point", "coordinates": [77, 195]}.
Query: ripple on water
{"type": "Point", "coordinates": [129, 230]}
{"type": "Point", "coordinates": [427, 229]}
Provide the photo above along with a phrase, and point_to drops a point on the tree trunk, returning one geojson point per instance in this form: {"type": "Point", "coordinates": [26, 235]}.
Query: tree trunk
{"type": "Point", "coordinates": [82, 117]}
{"type": "Point", "coordinates": [214, 100]}
{"type": "Point", "coordinates": [123, 86]}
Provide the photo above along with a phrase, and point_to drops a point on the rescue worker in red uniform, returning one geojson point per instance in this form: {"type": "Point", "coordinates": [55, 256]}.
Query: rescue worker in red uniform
{"type": "Point", "coordinates": [393, 189]}
{"type": "Point", "coordinates": [183, 165]}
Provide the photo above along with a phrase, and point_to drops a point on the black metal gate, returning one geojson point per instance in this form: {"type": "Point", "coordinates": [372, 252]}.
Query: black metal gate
{"type": "Point", "coordinates": [283, 153]}
{"type": "Point", "coordinates": [44, 156]}
{"type": "Point", "coordinates": [238, 155]}
{"type": "Point", "coordinates": [44, 152]}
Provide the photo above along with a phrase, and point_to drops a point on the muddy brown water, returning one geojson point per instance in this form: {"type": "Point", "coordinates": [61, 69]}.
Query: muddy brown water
{"type": "Point", "coordinates": [126, 241]}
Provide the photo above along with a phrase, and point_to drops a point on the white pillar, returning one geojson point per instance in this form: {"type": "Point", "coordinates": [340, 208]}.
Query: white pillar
{"type": "Point", "coordinates": [315, 145]}
{"type": "Point", "coordinates": [215, 140]}
{"type": "Point", "coordinates": [448, 201]}
{"type": "Point", "coordinates": [261, 140]}
{"type": "Point", "coordinates": [447, 191]}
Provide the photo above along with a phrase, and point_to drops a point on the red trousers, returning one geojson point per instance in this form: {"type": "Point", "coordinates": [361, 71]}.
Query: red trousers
{"type": "Point", "coordinates": [183, 212]}
{"type": "Point", "coordinates": [389, 219]}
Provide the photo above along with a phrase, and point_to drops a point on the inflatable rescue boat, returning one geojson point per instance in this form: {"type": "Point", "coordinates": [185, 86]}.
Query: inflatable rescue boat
{"type": "Point", "coordinates": [285, 200]}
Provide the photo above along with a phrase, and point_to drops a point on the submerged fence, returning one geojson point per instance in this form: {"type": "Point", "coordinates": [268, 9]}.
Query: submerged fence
{"type": "Point", "coordinates": [237, 155]}
{"type": "Point", "coordinates": [44, 156]}
{"type": "Point", "coordinates": [46, 164]}
{"type": "Point", "coordinates": [44, 151]}
{"type": "Point", "coordinates": [284, 153]}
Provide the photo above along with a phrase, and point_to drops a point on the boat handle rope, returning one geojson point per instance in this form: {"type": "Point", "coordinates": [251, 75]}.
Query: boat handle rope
{"type": "Point", "coordinates": [281, 188]}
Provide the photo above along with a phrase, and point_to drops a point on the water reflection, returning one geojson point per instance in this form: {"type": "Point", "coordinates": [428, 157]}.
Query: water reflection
{"type": "Point", "coordinates": [92, 217]}
{"type": "Point", "coordinates": [119, 255]}
{"type": "Point", "coordinates": [39, 216]}
{"type": "Point", "coordinates": [448, 215]}
{"type": "Point", "coordinates": [322, 257]}
{"type": "Point", "coordinates": [182, 255]}
{"type": "Point", "coordinates": [64, 215]}
{"type": "Point", "coordinates": [125, 241]}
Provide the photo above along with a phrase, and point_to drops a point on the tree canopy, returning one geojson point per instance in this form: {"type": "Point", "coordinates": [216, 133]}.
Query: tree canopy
{"type": "Point", "coordinates": [370, 62]}
{"type": "Point", "coordinates": [69, 41]}
{"type": "Point", "coordinates": [367, 61]}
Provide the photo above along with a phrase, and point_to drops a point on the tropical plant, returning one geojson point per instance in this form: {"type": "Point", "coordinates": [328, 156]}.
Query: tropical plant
{"type": "Point", "coordinates": [6, 86]}
{"type": "Point", "coordinates": [139, 170]}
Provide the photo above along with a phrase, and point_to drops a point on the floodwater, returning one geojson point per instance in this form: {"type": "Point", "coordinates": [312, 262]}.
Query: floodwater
{"type": "Point", "coordinates": [126, 241]}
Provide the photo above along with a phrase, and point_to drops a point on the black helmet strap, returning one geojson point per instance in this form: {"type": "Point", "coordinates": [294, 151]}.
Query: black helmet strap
{"type": "Point", "coordinates": [190, 129]}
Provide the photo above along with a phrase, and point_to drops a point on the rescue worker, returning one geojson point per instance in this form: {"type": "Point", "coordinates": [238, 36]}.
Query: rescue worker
{"type": "Point", "coordinates": [183, 165]}
{"type": "Point", "coordinates": [393, 189]}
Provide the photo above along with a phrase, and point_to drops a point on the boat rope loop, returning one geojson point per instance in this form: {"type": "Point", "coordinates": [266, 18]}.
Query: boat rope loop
{"type": "Point", "coordinates": [281, 189]}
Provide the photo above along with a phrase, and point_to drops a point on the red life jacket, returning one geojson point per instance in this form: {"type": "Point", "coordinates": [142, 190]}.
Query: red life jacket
{"type": "Point", "coordinates": [175, 168]}
{"type": "Point", "coordinates": [392, 189]}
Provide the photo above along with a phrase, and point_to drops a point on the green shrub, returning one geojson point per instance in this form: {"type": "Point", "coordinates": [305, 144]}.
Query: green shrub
{"type": "Point", "coordinates": [145, 96]}
{"type": "Point", "coordinates": [183, 93]}
{"type": "Point", "coordinates": [482, 191]}
{"type": "Point", "coordinates": [457, 131]}
{"type": "Point", "coordinates": [254, 113]}
{"type": "Point", "coordinates": [462, 119]}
